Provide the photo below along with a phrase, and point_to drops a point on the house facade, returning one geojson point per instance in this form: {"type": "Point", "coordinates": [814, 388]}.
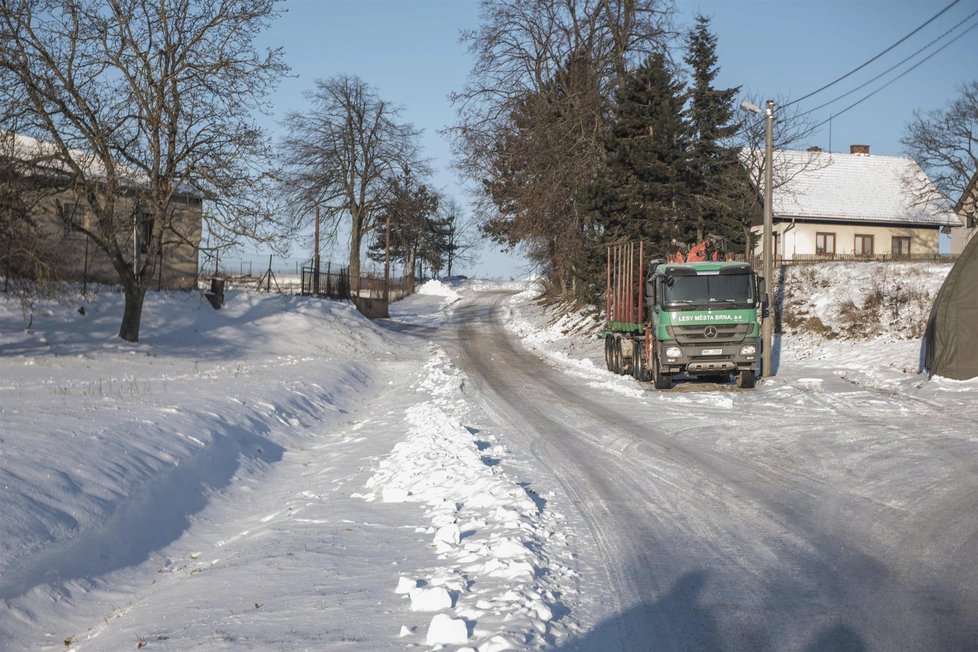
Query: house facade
{"type": "Point", "coordinates": [839, 206]}
{"type": "Point", "coordinates": [54, 208]}
{"type": "Point", "coordinates": [967, 211]}
{"type": "Point", "coordinates": [172, 263]}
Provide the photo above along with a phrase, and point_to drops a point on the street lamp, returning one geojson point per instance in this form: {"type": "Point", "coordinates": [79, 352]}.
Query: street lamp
{"type": "Point", "coordinates": [767, 325]}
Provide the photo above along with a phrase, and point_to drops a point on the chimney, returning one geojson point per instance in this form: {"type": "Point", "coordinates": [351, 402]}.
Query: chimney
{"type": "Point", "coordinates": [861, 150]}
{"type": "Point", "coordinates": [815, 149]}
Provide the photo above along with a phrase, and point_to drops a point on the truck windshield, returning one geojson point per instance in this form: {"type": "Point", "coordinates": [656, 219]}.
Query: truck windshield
{"type": "Point", "coordinates": [708, 290]}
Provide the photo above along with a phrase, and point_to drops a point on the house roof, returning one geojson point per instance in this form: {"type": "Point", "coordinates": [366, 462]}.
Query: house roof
{"type": "Point", "coordinates": [41, 154]}
{"type": "Point", "coordinates": [853, 188]}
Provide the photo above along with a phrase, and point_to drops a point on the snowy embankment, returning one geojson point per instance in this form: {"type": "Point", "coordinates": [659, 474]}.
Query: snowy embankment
{"type": "Point", "coordinates": [279, 473]}
{"type": "Point", "coordinates": [862, 322]}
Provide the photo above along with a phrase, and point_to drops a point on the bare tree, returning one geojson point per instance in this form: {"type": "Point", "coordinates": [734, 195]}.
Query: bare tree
{"type": "Point", "coordinates": [743, 191]}
{"type": "Point", "coordinates": [139, 101]}
{"type": "Point", "coordinates": [533, 115]}
{"type": "Point", "coordinates": [945, 143]}
{"type": "Point", "coordinates": [342, 154]}
{"type": "Point", "coordinates": [460, 242]}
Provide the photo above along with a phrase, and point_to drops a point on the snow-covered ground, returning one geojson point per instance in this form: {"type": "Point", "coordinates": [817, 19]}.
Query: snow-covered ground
{"type": "Point", "coordinates": [284, 474]}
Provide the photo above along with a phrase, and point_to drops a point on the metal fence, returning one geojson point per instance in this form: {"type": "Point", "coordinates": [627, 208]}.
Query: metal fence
{"type": "Point", "coordinates": [334, 282]}
{"type": "Point", "coordinates": [827, 258]}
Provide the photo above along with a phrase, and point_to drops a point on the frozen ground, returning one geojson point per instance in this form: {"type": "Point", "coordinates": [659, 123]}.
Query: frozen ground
{"type": "Point", "coordinates": [283, 474]}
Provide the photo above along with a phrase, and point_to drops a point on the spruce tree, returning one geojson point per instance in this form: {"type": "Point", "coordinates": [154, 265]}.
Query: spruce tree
{"type": "Point", "coordinates": [713, 164]}
{"type": "Point", "coordinates": [642, 192]}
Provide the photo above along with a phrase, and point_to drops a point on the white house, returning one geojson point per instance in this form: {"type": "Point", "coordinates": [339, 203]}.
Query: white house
{"type": "Point", "coordinates": [830, 205]}
{"type": "Point", "coordinates": [967, 210]}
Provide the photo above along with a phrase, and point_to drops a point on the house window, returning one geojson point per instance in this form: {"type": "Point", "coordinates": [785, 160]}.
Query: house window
{"type": "Point", "coordinates": [72, 215]}
{"type": "Point", "coordinates": [863, 245]}
{"type": "Point", "coordinates": [901, 246]}
{"type": "Point", "coordinates": [972, 221]}
{"type": "Point", "coordinates": [825, 244]}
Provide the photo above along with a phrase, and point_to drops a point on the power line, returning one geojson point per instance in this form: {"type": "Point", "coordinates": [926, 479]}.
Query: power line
{"type": "Point", "coordinates": [913, 67]}
{"type": "Point", "coordinates": [894, 67]}
{"type": "Point", "coordinates": [857, 69]}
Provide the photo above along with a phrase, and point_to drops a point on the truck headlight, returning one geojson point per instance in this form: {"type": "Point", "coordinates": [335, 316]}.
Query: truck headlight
{"type": "Point", "coordinates": [748, 349]}
{"type": "Point", "coordinates": [674, 352]}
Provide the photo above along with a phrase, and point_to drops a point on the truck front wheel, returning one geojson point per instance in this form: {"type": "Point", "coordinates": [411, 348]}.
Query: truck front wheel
{"type": "Point", "coordinates": [659, 379]}
{"type": "Point", "coordinates": [746, 379]}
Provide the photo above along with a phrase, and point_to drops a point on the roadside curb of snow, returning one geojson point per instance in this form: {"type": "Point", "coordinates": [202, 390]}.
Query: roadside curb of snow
{"type": "Point", "coordinates": [500, 583]}
{"type": "Point", "coordinates": [545, 340]}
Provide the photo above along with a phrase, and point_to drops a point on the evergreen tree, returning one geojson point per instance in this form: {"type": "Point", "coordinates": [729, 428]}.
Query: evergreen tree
{"type": "Point", "coordinates": [641, 194]}
{"type": "Point", "coordinates": [713, 164]}
{"type": "Point", "coordinates": [412, 210]}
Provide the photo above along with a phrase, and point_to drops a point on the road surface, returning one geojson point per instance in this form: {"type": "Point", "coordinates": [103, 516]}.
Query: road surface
{"type": "Point", "coordinates": [807, 514]}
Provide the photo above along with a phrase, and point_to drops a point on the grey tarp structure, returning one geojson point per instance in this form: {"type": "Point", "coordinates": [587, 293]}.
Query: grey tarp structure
{"type": "Point", "coordinates": [951, 340]}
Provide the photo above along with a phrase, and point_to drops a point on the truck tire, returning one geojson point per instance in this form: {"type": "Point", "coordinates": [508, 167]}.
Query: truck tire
{"type": "Point", "coordinates": [626, 362]}
{"type": "Point", "coordinates": [746, 379]}
{"type": "Point", "coordinates": [659, 379]}
{"type": "Point", "coordinates": [621, 366]}
{"type": "Point", "coordinates": [640, 369]}
{"type": "Point", "coordinates": [607, 352]}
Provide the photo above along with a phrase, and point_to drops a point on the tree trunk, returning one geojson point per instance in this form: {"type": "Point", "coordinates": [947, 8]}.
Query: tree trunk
{"type": "Point", "coordinates": [132, 316]}
{"type": "Point", "coordinates": [355, 239]}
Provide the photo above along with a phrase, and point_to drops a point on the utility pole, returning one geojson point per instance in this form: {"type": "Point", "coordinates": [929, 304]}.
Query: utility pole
{"type": "Point", "coordinates": [315, 257]}
{"type": "Point", "coordinates": [387, 263]}
{"type": "Point", "coordinates": [767, 325]}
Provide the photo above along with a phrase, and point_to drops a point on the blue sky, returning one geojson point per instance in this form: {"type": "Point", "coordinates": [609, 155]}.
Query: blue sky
{"type": "Point", "coordinates": [410, 52]}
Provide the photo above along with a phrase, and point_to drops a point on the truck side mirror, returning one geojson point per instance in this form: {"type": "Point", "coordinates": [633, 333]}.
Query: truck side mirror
{"type": "Point", "coordinates": [762, 291]}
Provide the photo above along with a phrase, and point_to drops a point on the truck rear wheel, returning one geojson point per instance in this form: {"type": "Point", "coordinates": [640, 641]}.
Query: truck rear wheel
{"type": "Point", "coordinates": [607, 353]}
{"type": "Point", "coordinates": [746, 379]}
{"type": "Point", "coordinates": [659, 379]}
{"type": "Point", "coordinates": [626, 362]}
{"type": "Point", "coordinates": [640, 370]}
{"type": "Point", "coordinates": [621, 362]}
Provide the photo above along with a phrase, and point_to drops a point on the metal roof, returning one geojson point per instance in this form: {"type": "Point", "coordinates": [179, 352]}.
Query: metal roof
{"type": "Point", "coordinates": [861, 188]}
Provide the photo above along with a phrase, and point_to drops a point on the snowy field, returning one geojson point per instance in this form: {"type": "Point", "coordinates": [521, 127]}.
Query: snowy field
{"type": "Point", "coordinates": [283, 474]}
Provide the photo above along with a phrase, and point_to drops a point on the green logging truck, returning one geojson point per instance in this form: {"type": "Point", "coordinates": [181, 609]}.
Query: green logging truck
{"type": "Point", "coordinates": [695, 314]}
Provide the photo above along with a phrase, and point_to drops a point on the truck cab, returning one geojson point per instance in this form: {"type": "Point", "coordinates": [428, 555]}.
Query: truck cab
{"type": "Point", "coordinates": [703, 320]}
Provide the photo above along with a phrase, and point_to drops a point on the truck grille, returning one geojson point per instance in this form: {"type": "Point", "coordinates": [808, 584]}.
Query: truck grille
{"type": "Point", "coordinates": [698, 335]}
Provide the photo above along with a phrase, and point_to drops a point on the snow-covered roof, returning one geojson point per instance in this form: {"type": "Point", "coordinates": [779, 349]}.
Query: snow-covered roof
{"type": "Point", "coordinates": [43, 154]}
{"type": "Point", "coordinates": [852, 187]}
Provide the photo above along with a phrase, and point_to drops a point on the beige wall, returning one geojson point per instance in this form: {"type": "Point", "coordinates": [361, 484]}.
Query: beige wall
{"type": "Point", "coordinates": [799, 239]}
{"type": "Point", "coordinates": [76, 253]}
{"type": "Point", "coordinates": [961, 236]}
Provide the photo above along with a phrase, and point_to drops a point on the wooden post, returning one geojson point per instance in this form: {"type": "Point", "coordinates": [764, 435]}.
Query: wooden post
{"type": "Point", "coordinates": [315, 257]}
{"type": "Point", "coordinates": [387, 263]}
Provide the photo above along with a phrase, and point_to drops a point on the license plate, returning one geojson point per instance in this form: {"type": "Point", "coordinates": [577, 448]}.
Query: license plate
{"type": "Point", "coordinates": [711, 352]}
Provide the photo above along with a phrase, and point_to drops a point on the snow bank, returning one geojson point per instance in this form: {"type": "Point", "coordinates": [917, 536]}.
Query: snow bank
{"type": "Point", "coordinates": [845, 300]}
{"type": "Point", "coordinates": [435, 288]}
{"type": "Point", "coordinates": [492, 541]}
{"type": "Point", "coordinates": [109, 449]}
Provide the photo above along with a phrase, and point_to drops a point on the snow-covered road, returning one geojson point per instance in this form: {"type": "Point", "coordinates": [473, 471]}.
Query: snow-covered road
{"type": "Point", "coordinates": [283, 474]}
{"type": "Point", "coordinates": [810, 514]}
